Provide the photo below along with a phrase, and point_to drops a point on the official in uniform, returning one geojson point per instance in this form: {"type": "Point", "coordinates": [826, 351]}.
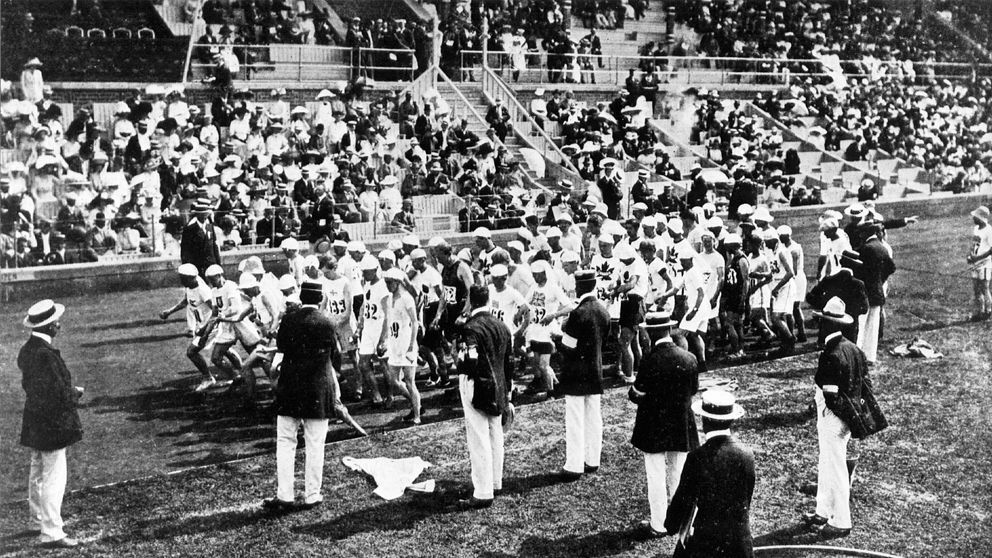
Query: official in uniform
{"type": "Point", "coordinates": [581, 379]}
{"type": "Point", "coordinates": [664, 428]}
{"type": "Point", "coordinates": [839, 281]}
{"type": "Point", "coordinates": [840, 372]}
{"type": "Point", "coordinates": [876, 268]}
{"type": "Point", "coordinates": [50, 423]}
{"type": "Point", "coordinates": [307, 394]}
{"type": "Point", "coordinates": [714, 494]}
{"type": "Point", "coordinates": [485, 378]}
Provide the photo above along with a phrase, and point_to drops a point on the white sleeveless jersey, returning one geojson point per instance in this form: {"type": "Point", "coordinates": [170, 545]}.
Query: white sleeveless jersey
{"type": "Point", "coordinates": [400, 332]}
{"type": "Point", "coordinates": [197, 304]}
{"type": "Point", "coordinates": [374, 315]}
{"type": "Point", "coordinates": [505, 305]}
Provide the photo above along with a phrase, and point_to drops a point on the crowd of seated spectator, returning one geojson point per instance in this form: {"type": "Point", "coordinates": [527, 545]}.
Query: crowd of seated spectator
{"type": "Point", "coordinates": [973, 17]}
{"type": "Point", "coordinates": [805, 29]}
{"type": "Point", "coordinates": [940, 126]}
{"type": "Point", "coordinates": [261, 22]}
{"type": "Point", "coordinates": [263, 165]}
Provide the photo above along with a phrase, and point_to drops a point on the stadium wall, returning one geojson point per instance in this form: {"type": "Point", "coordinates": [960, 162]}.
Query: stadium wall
{"type": "Point", "coordinates": [29, 284]}
{"type": "Point", "coordinates": [80, 94]}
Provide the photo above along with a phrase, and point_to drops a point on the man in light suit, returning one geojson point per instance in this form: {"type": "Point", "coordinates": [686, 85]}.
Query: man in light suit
{"type": "Point", "coordinates": [714, 494]}
{"type": "Point", "coordinates": [877, 266]}
{"type": "Point", "coordinates": [485, 378]}
{"type": "Point", "coordinates": [840, 372]}
{"type": "Point", "coordinates": [50, 423]}
{"type": "Point", "coordinates": [581, 378]}
{"type": "Point", "coordinates": [664, 428]}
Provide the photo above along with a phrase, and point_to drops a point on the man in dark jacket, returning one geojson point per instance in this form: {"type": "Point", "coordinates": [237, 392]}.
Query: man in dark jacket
{"type": "Point", "coordinates": [581, 378]}
{"type": "Point", "coordinates": [50, 422]}
{"type": "Point", "coordinates": [485, 371]}
{"type": "Point", "coordinates": [714, 494]}
{"type": "Point", "coordinates": [877, 266]}
{"type": "Point", "coordinates": [323, 216]}
{"type": "Point", "coordinates": [839, 377]}
{"type": "Point", "coordinates": [198, 244]}
{"type": "Point", "coordinates": [664, 428]}
{"type": "Point", "coordinates": [307, 394]}
{"type": "Point", "coordinates": [839, 281]}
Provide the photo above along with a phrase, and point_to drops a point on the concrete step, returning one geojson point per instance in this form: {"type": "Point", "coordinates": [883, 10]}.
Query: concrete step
{"type": "Point", "coordinates": [909, 174]}
{"type": "Point", "coordinates": [886, 167]}
{"type": "Point", "coordinates": [809, 159]}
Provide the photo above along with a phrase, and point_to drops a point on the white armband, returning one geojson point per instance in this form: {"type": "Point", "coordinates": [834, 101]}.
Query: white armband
{"type": "Point", "coordinates": [830, 389]}
{"type": "Point", "coordinates": [569, 341]}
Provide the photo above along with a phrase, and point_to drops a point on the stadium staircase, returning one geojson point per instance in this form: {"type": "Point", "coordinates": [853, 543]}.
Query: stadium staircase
{"type": "Point", "coordinates": [634, 34]}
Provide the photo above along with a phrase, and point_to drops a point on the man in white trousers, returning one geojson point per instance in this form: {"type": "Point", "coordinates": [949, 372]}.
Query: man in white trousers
{"type": "Point", "coordinates": [485, 371]}
{"type": "Point", "coordinates": [51, 422]}
{"type": "Point", "coordinates": [307, 395]}
{"type": "Point", "coordinates": [839, 378]}
{"type": "Point", "coordinates": [664, 428]}
{"type": "Point", "coordinates": [581, 378]}
{"type": "Point", "coordinates": [876, 268]}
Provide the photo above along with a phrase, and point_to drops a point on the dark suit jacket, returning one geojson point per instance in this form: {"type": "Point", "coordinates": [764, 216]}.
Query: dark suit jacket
{"type": "Point", "coordinates": [719, 479]}
{"type": "Point", "coordinates": [50, 419]}
{"type": "Point", "coordinates": [668, 378]}
{"type": "Point", "coordinates": [582, 367]}
{"type": "Point", "coordinates": [848, 289]}
{"type": "Point", "coordinates": [490, 343]}
{"type": "Point", "coordinates": [198, 246]}
{"type": "Point", "coordinates": [841, 364]}
{"type": "Point", "coordinates": [306, 340]}
{"type": "Point", "coordinates": [320, 223]}
{"type": "Point", "coordinates": [877, 267]}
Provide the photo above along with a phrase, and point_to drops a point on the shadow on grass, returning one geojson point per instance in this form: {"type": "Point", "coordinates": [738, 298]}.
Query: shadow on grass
{"type": "Point", "coordinates": [935, 325]}
{"type": "Point", "coordinates": [789, 373]}
{"type": "Point", "coordinates": [133, 340]}
{"type": "Point", "coordinates": [771, 421]}
{"type": "Point", "coordinates": [793, 534]}
{"type": "Point", "coordinates": [142, 323]}
{"type": "Point", "coordinates": [605, 543]}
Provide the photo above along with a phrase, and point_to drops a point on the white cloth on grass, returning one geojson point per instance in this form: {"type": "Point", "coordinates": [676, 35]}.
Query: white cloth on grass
{"type": "Point", "coordinates": [392, 476]}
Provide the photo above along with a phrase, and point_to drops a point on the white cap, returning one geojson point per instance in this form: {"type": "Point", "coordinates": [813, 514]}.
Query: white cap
{"type": "Point", "coordinates": [732, 238]}
{"type": "Point", "coordinates": [639, 206]}
{"type": "Point", "coordinates": [394, 274]}
{"type": "Point", "coordinates": [393, 245]}
{"type": "Point", "coordinates": [524, 233]}
{"type": "Point", "coordinates": [499, 270]}
{"type": "Point", "coordinates": [290, 244]}
{"type": "Point", "coordinates": [601, 209]}
{"type": "Point", "coordinates": [745, 209]}
{"type": "Point", "coordinates": [356, 246]}
{"type": "Point", "coordinates": [785, 230]}
{"type": "Point", "coordinates": [649, 222]}
{"type": "Point", "coordinates": [675, 226]}
{"type": "Point", "coordinates": [287, 282]}
{"type": "Point", "coordinates": [387, 255]}
{"type": "Point", "coordinates": [762, 214]}
{"type": "Point", "coordinates": [247, 281]}
{"type": "Point", "coordinates": [553, 232]}
{"type": "Point", "coordinates": [368, 263]}
{"type": "Point", "coordinates": [411, 240]}
{"type": "Point", "coordinates": [686, 252]}
{"type": "Point", "coordinates": [214, 270]}
{"type": "Point", "coordinates": [570, 256]}
{"type": "Point", "coordinates": [565, 216]}
{"type": "Point", "coordinates": [708, 206]}
{"type": "Point", "coordinates": [436, 241]}
{"type": "Point", "coordinates": [516, 245]}
{"type": "Point", "coordinates": [540, 266]}
{"type": "Point", "coordinates": [605, 238]}
{"type": "Point", "coordinates": [714, 222]}
{"type": "Point", "coordinates": [625, 252]}
{"type": "Point", "coordinates": [482, 232]}
{"type": "Point", "coordinates": [188, 270]}
{"type": "Point", "coordinates": [465, 255]}
{"type": "Point", "coordinates": [418, 254]}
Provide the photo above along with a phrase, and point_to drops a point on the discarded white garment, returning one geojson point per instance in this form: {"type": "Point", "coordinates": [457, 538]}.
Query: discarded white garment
{"type": "Point", "coordinates": [392, 476]}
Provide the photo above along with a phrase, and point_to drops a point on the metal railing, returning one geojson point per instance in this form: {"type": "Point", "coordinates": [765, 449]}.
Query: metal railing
{"type": "Point", "coordinates": [288, 63]}
{"type": "Point", "coordinates": [699, 71]}
{"type": "Point", "coordinates": [530, 133]}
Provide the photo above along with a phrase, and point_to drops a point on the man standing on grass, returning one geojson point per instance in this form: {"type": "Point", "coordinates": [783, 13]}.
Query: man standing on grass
{"type": "Point", "coordinates": [51, 423]}
{"type": "Point", "coordinates": [711, 509]}
{"type": "Point", "coordinates": [307, 394]}
{"type": "Point", "coordinates": [980, 263]}
{"type": "Point", "coordinates": [839, 378]}
{"type": "Point", "coordinates": [485, 370]}
{"type": "Point", "coordinates": [581, 379]}
{"type": "Point", "coordinates": [664, 428]}
{"type": "Point", "coordinates": [877, 266]}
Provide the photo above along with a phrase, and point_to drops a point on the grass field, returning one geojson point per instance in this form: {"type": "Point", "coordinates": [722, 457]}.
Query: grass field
{"type": "Point", "coordinates": [922, 490]}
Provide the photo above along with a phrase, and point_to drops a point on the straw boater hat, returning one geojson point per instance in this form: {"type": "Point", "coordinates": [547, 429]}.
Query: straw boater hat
{"type": "Point", "coordinates": [659, 320]}
{"type": "Point", "coordinates": [836, 311]}
{"type": "Point", "coordinates": [717, 404]}
{"type": "Point", "coordinates": [43, 313]}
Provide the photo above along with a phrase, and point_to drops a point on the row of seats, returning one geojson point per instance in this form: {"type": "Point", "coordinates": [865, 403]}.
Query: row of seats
{"type": "Point", "coordinates": [110, 59]}
{"type": "Point", "coordinates": [76, 32]}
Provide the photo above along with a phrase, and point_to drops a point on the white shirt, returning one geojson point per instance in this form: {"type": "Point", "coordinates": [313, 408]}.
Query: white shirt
{"type": "Point", "coordinates": [505, 305]}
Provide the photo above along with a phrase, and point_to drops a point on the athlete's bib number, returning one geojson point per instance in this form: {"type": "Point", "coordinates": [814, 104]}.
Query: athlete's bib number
{"type": "Point", "coordinates": [539, 313]}
{"type": "Point", "coordinates": [449, 294]}
{"type": "Point", "coordinates": [394, 330]}
{"type": "Point", "coordinates": [498, 313]}
{"type": "Point", "coordinates": [371, 311]}
{"type": "Point", "coordinates": [337, 306]}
